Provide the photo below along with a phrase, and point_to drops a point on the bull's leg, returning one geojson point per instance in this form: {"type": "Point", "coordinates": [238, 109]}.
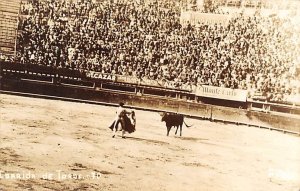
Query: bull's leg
{"type": "Point", "coordinates": [168, 130]}
{"type": "Point", "coordinates": [180, 130]}
{"type": "Point", "coordinates": [176, 130]}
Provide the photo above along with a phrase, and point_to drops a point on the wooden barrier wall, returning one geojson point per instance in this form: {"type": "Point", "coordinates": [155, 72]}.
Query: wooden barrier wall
{"type": "Point", "coordinates": [282, 122]}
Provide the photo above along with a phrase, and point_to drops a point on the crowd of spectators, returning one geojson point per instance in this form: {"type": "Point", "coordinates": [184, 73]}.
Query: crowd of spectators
{"type": "Point", "coordinates": [145, 39]}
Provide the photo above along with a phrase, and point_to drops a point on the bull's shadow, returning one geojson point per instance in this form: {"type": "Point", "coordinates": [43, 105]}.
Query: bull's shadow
{"type": "Point", "coordinates": [146, 140]}
{"type": "Point", "coordinates": [191, 138]}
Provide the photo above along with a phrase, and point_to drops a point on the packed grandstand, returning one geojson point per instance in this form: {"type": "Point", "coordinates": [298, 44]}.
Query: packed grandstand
{"type": "Point", "coordinates": [146, 40]}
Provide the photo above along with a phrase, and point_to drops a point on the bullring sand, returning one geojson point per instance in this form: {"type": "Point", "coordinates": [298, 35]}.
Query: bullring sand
{"type": "Point", "coordinates": [58, 145]}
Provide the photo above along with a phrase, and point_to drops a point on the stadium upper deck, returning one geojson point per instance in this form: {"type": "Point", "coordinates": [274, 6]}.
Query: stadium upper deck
{"type": "Point", "coordinates": [256, 53]}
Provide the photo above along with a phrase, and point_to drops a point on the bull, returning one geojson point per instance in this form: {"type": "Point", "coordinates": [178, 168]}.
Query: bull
{"type": "Point", "coordinates": [173, 120]}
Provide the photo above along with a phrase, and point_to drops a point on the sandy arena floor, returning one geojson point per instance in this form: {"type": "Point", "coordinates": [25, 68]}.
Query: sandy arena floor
{"type": "Point", "coordinates": [57, 145]}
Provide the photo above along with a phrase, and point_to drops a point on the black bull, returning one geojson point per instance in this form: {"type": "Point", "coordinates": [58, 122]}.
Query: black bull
{"type": "Point", "coordinates": [173, 120]}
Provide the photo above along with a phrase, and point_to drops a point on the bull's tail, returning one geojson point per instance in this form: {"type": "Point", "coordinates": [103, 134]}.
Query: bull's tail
{"type": "Point", "coordinates": [186, 124]}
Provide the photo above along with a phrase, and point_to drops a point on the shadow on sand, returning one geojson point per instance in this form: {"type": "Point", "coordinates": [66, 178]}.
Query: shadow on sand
{"type": "Point", "coordinates": [146, 140]}
{"type": "Point", "coordinates": [191, 138]}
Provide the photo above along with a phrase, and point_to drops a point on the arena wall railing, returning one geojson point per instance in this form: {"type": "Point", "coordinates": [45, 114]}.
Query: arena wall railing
{"type": "Point", "coordinates": [73, 86]}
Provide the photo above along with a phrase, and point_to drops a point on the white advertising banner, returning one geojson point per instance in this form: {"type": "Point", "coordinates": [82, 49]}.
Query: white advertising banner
{"type": "Point", "coordinates": [222, 93]}
{"type": "Point", "coordinates": [99, 75]}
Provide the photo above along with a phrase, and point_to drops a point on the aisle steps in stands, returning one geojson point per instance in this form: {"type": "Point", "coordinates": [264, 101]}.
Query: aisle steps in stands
{"type": "Point", "coordinates": [9, 11]}
{"type": "Point", "coordinates": [11, 6]}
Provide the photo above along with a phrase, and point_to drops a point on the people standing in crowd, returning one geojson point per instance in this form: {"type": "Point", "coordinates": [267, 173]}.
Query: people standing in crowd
{"type": "Point", "coordinates": [147, 41]}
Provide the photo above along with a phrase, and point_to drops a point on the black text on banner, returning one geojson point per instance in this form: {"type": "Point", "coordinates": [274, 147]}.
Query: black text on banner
{"type": "Point", "coordinates": [222, 93]}
{"type": "Point", "coordinates": [99, 75]}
